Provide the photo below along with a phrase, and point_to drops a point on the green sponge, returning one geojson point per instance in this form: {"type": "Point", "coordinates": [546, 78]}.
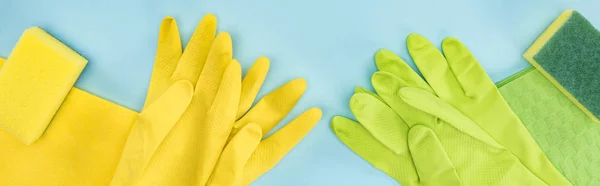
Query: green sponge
{"type": "Point", "coordinates": [568, 54]}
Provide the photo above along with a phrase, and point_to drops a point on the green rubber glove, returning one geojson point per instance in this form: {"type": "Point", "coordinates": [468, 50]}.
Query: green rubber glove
{"type": "Point", "coordinates": [448, 148]}
{"type": "Point", "coordinates": [456, 79]}
{"type": "Point", "coordinates": [426, 150]}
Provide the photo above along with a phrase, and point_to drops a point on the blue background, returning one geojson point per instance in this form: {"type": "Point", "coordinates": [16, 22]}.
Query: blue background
{"type": "Point", "coordinates": [330, 43]}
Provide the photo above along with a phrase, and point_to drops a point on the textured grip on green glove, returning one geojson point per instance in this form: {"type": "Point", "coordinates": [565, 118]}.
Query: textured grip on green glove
{"type": "Point", "coordinates": [478, 158]}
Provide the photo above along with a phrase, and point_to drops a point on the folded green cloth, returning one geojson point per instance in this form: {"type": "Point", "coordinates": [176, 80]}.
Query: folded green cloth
{"type": "Point", "coordinates": [570, 139]}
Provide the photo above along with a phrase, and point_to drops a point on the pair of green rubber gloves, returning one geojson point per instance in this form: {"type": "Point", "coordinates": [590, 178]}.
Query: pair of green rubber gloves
{"type": "Point", "coordinates": [451, 128]}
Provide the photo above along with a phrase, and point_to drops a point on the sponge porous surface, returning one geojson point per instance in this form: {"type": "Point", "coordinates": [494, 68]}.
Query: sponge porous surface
{"type": "Point", "coordinates": [572, 58]}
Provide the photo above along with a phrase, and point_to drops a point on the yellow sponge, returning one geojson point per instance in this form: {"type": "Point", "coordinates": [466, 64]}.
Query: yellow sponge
{"type": "Point", "coordinates": [34, 82]}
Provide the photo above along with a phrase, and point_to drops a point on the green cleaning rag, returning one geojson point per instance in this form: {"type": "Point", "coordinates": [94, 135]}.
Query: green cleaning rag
{"type": "Point", "coordinates": [570, 139]}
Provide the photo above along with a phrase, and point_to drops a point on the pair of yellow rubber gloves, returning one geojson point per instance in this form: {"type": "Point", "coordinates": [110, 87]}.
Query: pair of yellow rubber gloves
{"type": "Point", "coordinates": [452, 127]}
{"type": "Point", "coordinates": [197, 127]}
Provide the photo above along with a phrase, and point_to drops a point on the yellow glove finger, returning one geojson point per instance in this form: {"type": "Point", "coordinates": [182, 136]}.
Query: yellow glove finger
{"type": "Point", "coordinates": [2, 62]}
{"type": "Point", "coordinates": [219, 121]}
{"type": "Point", "coordinates": [252, 83]}
{"type": "Point", "coordinates": [230, 167]}
{"type": "Point", "coordinates": [196, 51]}
{"type": "Point", "coordinates": [167, 57]}
{"type": "Point", "coordinates": [271, 150]}
{"type": "Point", "coordinates": [276, 105]}
{"type": "Point", "coordinates": [151, 127]}
{"type": "Point", "coordinates": [218, 60]}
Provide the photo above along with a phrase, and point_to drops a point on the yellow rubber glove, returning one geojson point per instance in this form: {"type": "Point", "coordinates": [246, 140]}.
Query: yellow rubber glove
{"type": "Point", "coordinates": [200, 142]}
{"type": "Point", "coordinates": [151, 127]}
{"type": "Point", "coordinates": [246, 157]}
{"type": "Point", "coordinates": [233, 169]}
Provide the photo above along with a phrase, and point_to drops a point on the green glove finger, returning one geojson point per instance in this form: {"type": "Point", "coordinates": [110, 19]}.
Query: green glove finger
{"type": "Point", "coordinates": [387, 61]}
{"type": "Point", "coordinates": [359, 140]}
{"type": "Point", "coordinates": [388, 87]}
{"type": "Point", "coordinates": [433, 105]}
{"type": "Point", "coordinates": [433, 66]}
{"type": "Point", "coordinates": [197, 50]}
{"type": "Point", "coordinates": [364, 90]}
{"type": "Point", "coordinates": [167, 57]}
{"type": "Point", "coordinates": [469, 73]}
{"type": "Point", "coordinates": [432, 162]}
{"type": "Point", "coordinates": [380, 120]}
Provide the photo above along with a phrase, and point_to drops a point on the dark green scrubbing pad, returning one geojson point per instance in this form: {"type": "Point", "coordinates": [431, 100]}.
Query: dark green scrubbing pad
{"type": "Point", "coordinates": [568, 54]}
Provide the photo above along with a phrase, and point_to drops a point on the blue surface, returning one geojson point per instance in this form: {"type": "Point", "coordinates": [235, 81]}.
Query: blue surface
{"type": "Point", "coordinates": [329, 43]}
